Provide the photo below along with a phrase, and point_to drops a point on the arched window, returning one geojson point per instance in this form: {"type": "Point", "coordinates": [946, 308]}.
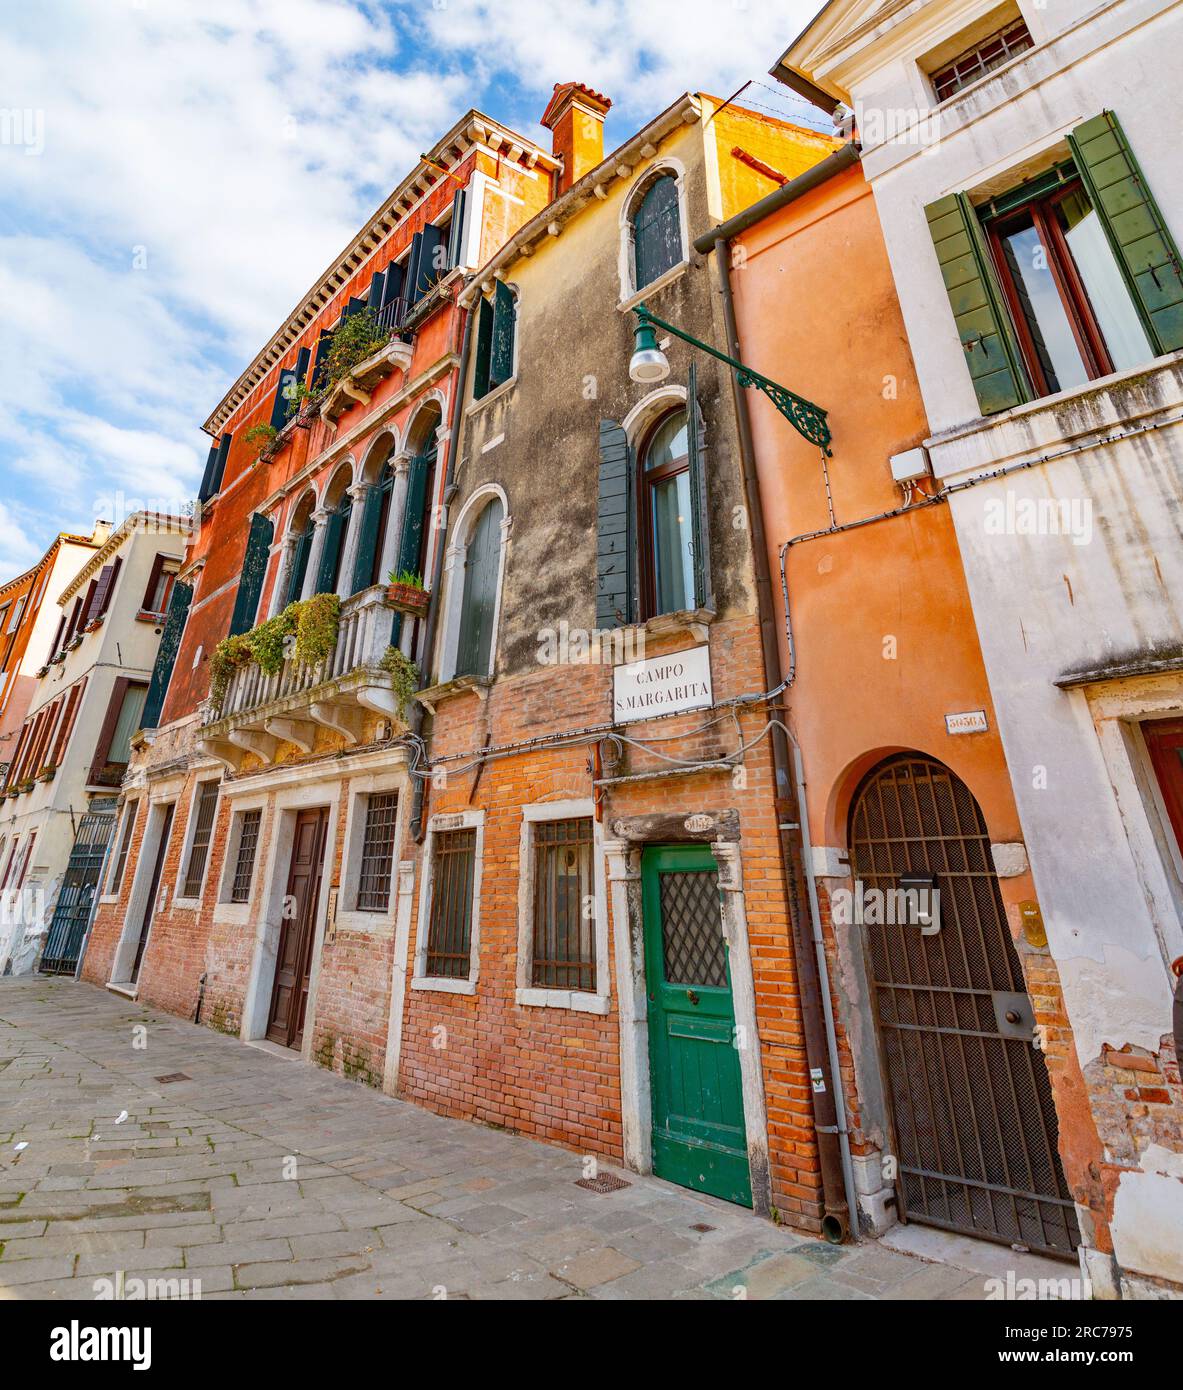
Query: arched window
{"type": "Point", "coordinates": [299, 562]}
{"type": "Point", "coordinates": [656, 231]}
{"type": "Point", "coordinates": [667, 518]}
{"type": "Point", "coordinates": [336, 529]}
{"type": "Point", "coordinates": [478, 605]}
{"type": "Point", "coordinates": [382, 488]}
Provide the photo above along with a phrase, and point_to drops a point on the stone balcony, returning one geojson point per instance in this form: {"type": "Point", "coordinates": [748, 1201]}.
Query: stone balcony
{"type": "Point", "coordinates": [341, 693]}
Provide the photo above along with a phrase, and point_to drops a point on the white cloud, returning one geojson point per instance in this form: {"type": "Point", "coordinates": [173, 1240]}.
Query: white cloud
{"type": "Point", "coordinates": [202, 163]}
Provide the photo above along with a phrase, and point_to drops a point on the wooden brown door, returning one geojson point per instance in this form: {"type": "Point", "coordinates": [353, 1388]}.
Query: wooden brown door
{"type": "Point", "coordinates": [293, 963]}
{"type": "Point", "coordinates": [1164, 739]}
{"type": "Point", "coordinates": [150, 907]}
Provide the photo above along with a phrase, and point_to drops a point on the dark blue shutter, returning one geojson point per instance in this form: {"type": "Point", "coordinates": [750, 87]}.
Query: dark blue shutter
{"type": "Point", "coordinates": [207, 478]}
{"type": "Point", "coordinates": [254, 567]}
{"type": "Point", "coordinates": [699, 510]}
{"type": "Point", "coordinates": [479, 600]}
{"type": "Point", "coordinates": [657, 231]}
{"type": "Point", "coordinates": [614, 529]}
{"type": "Point", "coordinates": [330, 556]}
{"type": "Point", "coordinates": [410, 284]}
{"type": "Point", "coordinates": [456, 230]}
{"type": "Point", "coordinates": [299, 564]}
{"type": "Point", "coordinates": [505, 311]}
{"type": "Point", "coordinates": [320, 358]}
{"type": "Point", "coordinates": [220, 464]}
{"type": "Point", "coordinates": [302, 359]}
{"type": "Point", "coordinates": [279, 407]}
{"type": "Point", "coordinates": [367, 541]}
{"type": "Point", "coordinates": [377, 288]}
{"type": "Point", "coordinates": [166, 655]}
{"type": "Point", "coordinates": [432, 258]}
{"type": "Point", "coordinates": [484, 345]}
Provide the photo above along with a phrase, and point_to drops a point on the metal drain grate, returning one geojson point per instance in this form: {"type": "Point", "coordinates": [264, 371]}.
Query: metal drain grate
{"type": "Point", "coordinates": [606, 1182]}
{"type": "Point", "coordinates": [171, 1077]}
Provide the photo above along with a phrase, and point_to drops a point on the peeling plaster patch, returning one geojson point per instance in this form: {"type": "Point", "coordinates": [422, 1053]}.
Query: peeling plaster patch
{"type": "Point", "coordinates": [1148, 1225]}
{"type": "Point", "coordinates": [1116, 1000]}
{"type": "Point", "coordinates": [1157, 1159]}
{"type": "Point", "coordinates": [1010, 860]}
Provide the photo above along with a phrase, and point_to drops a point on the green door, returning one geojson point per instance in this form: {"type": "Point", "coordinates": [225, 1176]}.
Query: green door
{"type": "Point", "coordinates": [698, 1126]}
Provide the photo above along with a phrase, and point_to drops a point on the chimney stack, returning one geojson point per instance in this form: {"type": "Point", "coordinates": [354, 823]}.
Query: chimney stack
{"type": "Point", "coordinates": [575, 118]}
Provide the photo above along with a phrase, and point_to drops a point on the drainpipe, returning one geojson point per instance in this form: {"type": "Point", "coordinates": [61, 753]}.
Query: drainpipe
{"type": "Point", "coordinates": [821, 1044]}
{"type": "Point", "coordinates": [437, 568]}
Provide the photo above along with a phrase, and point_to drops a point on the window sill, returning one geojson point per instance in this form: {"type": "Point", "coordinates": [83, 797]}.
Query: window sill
{"type": "Point", "coordinates": [107, 899]}
{"type": "Point", "coordinates": [187, 904]}
{"type": "Point", "coordinates": [434, 695]}
{"type": "Point", "coordinates": [365, 923]}
{"type": "Point", "coordinates": [442, 986]}
{"type": "Point", "coordinates": [476, 403]}
{"type": "Point", "coordinates": [128, 991]}
{"type": "Point", "coordinates": [574, 1000]}
{"type": "Point", "coordinates": [695, 621]}
{"type": "Point", "coordinates": [665, 278]}
{"type": "Point", "coordinates": [232, 914]}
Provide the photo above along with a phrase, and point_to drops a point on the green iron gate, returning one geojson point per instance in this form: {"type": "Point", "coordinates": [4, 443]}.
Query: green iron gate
{"type": "Point", "coordinates": [72, 910]}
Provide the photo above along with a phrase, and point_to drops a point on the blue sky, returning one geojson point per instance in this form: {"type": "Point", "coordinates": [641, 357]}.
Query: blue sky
{"type": "Point", "coordinates": [176, 174]}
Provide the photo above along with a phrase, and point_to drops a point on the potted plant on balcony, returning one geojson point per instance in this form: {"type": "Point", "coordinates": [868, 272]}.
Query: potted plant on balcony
{"type": "Point", "coordinates": [405, 593]}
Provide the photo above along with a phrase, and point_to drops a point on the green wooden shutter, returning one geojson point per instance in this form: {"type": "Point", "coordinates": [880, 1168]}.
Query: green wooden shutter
{"type": "Point", "coordinates": [1145, 251]}
{"type": "Point", "coordinates": [220, 464]}
{"type": "Point", "coordinates": [206, 491]}
{"type": "Point", "coordinates": [478, 603]}
{"type": "Point", "coordinates": [279, 406]}
{"type": "Point", "coordinates": [411, 286]}
{"type": "Point", "coordinates": [410, 546]}
{"type": "Point", "coordinates": [254, 567]}
{"type": "Point", "coordinates": [456, 229]}
{"type": "Point", "coordinates": [614, 529]}
{"type": "Point", "coordinates": [700, 514]}
{"type": "Point", "coordinates": [166, 654]}
{"type": "Point", "coordinates": [299, 564]}
{"type": "Point", "coordinates": [505, 311]}
{"type": "Point", "coordinates": [983, 325]}
{"type": "Point", "coordinates": [367, 541]}
{"type": "Point", "coordinates": [432, 258]}
{"type": "Point", "coordinates": [330, 555]}
{"type": "Point", "coordinates": [484, 344]}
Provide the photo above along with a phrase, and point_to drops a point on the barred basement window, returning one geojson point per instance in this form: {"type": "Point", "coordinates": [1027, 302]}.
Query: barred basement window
{"type": "Point", "coordinates": [564, 953]}
{"type": "Point", "coordinates": [449, 929]}
{"type": "Point", "coordinates": [203, 829]}
{"type": "Point", "coordinates": [129, 824]}
{"type": "Point", "coordinates": [984, 57]}
{"type": "Point", "coordinates": [377, 854]}
{"type": "Point", "coordinates": [244, 864]}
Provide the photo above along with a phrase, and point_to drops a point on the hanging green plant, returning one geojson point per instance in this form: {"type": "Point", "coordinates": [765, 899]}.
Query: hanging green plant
{"type": "Point", "coordinates": [270, 642]}
{"type": "Point", "coordinates": [359, 337]}
{"type": "Point", "coordinates": [301, 396]}
{"type": "Point", "coordinates": [404, 677]}
{"type": "Point", "coordinates": [316, 628]}
{"type": "Point", "coordinates": [260, 438]}
{"type": "Point", "coordinates": [226, 658]}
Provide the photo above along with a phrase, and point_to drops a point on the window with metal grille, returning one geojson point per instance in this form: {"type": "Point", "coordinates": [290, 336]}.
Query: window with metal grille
{"type": "Point", "coordinates": [449, 928]}
{"type": "Point", "coordinates": [244, 862]}
{"type": "Point", "coordinates": [203, 828]}
{"type": "Point", "coordinates": [984, 57]}
{"type": "Point", "coordinates": [129, 824]}
{"type": "Point", "coordinates": [377, 854]}
{"type": "Point", "coordinates": [564, 949]}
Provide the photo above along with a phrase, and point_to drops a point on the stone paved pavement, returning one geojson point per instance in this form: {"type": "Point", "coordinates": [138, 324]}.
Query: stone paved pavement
{"type": "Point", "coordinates": [384, 1199]}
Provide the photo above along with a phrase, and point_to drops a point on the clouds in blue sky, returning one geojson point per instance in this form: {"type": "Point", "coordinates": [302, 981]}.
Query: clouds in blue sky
{"type": "Point", "coordinates": [175, 175]}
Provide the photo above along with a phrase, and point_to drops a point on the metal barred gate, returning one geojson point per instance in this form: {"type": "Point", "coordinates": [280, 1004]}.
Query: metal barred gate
{"type": "Point", "coordinates": [974, 1122]}
{"type": "Point", "coordinates": [72, 910]}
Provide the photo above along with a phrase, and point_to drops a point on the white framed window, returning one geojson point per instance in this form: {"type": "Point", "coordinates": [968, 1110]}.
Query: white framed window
{"type": "Point", "coordinates": [474, 568]}
{"type": "Point", "coordinates": [447, 949]}
{"type": "Point", "coordinates": [199, 834]}
{"type": "Point", "coordinates": [241, 865]}
{"type": "Point", "coordinates": [375, 828]}
{"type": "Point", "coordinates": [120, 849]}
{"type": "Point", "coordinates": [562, 909]}
{"type": "Point", "coordinates": [654, 232]}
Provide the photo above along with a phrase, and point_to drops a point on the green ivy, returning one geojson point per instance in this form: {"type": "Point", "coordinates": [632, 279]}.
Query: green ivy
{"type": "Point", "coordinates": [228, 656]}
{"type": "Point", "coordinates": [312, 621]}
{"type": "Point", "coordinates": [359, 337]}
{"type": "Point", "coordinates": [269, 641]}
{"type": "Point", "coordinates": [316, 627]}
{"type": "Point", "coordinates": [404, 677]}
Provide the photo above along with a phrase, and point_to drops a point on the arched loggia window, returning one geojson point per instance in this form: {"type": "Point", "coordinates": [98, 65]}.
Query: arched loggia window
{"type": "Point", "coordinates": [299, 562]}
{"type": "Point", "coordinates": [375, 518]}
{"type": "Point", "coordinates": [478, 604]}
{"type": "Point", "coordinates": [336, 529]}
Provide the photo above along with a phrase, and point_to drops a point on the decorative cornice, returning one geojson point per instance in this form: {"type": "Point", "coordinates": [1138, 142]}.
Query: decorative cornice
{"type": "Point", "coordinates": [180, 525]}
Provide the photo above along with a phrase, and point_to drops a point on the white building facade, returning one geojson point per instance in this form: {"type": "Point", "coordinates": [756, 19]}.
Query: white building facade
{"type": "Point", "coordinates": [1024, 162]}
{"type": "Point", "coordinates": [73, 748]}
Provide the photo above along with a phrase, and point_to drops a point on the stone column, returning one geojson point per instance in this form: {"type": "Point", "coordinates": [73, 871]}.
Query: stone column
{"type": "Point", "coordinates": [636, 1103]}
{"type": "Point", "coordinates": [320, 519]}
{"type": "Point", "coordinates": [349, 546]}
{"type": "Point", "coordinates": [400, 464]}
{"type": "Point", "coordinates": [287, 558]}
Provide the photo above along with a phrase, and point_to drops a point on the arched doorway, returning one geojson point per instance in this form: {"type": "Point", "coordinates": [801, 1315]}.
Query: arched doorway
{"type": "Point", "coordinates": [974, 1124]}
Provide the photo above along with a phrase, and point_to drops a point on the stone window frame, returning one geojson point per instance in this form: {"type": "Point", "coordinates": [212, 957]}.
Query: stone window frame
{"type": "Point", "coordinates": [630, 296]}
{"type": "Point", "coordinates": [349, 917]}
{"type": "Point", "coordinates": [453, 577]}
{"type": "Point", "coordinates": [420, 980]}
{"type": "Point", "coordinates": [226, 910]}
{"type": "Point", "coordinates": [191, 904]}
{"type": "Point", "coordinates": [526, 994]}
{"type": "Point", "coordinates": [130, 806]}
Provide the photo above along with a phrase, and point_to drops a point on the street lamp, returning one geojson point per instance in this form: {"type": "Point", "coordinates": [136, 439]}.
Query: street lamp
{"type": "Point", "coordinates": [649, 364]}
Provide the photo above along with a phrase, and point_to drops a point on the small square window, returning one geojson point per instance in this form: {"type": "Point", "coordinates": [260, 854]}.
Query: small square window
{"type": "Point", "coordinates": [992, 52]}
